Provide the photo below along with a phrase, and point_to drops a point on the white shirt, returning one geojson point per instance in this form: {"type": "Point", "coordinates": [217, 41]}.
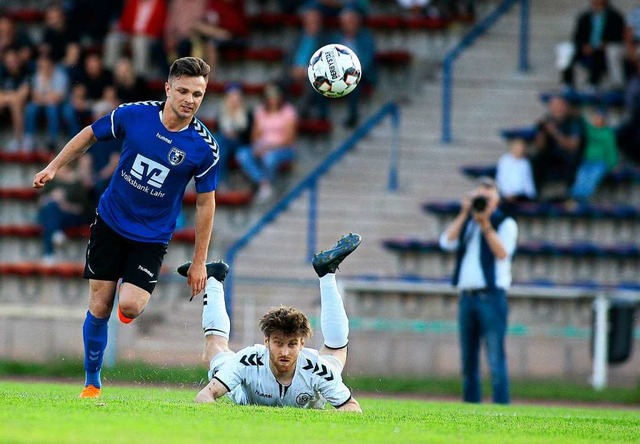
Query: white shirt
{"type": "Point", "coordinates": [514, 176]}
{"type": "Point", "coordinates": [471, 276]}
{"type": "Point", "coordinates": [249, 379]}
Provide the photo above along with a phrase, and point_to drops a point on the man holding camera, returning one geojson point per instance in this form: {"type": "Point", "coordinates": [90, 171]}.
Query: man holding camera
{"type": "Point", "coordinates": [484, 240]}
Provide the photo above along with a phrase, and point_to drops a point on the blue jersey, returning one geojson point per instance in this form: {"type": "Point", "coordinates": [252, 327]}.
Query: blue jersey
{"type": "Point", "coordinates": [144, 197]}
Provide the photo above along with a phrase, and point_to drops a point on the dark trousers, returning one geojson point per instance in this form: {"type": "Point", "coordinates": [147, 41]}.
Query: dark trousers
{"type": "Point", "coordinates": [482, 317]}
{"type": "Point", "coordinates": [596, 65]}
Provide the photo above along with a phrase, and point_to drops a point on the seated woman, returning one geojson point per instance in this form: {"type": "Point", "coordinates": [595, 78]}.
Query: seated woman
{"type": "Point", "coordinates": [273, 139]}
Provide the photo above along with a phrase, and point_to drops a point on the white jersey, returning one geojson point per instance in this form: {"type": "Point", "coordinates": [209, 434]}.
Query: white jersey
{"type": "Point", "coordinates": [248, 377]}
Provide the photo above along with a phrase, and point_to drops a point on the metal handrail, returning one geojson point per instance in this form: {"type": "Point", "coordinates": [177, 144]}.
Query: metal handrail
{"type": "Point", "coordinates": [310, 183]}
{"type": "Point", "coordinates": [476, 32]}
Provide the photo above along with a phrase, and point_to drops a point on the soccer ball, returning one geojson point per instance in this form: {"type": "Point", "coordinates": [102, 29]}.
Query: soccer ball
{"type": "Point", "coordinates": [334, 70]}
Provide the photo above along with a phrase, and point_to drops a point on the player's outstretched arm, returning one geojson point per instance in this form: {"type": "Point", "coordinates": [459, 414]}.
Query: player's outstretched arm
{"type": "Point", "coordinates": [211, 392]}
{"type": "Point", "coordinates": [351, 406]}
{"type": "Point", "coordinates": [205, 209]}
{"type": "Point", "coordinates": [71, 151]}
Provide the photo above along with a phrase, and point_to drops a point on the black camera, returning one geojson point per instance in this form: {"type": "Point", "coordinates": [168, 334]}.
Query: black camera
{"type": "Point", "coordinates": [479, 204]}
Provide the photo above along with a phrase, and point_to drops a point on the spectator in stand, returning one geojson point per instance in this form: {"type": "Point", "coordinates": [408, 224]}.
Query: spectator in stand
{"type": "Point", "coordinates": [600, 157]}
{"type": "Point", "coordinates": [558, 145]}
{"type": "Point", "coordinates": [88, 87]}
{"type": "Point", "coordinates": [333, 8]}
{"type": "Point", "coordinates": [58, 38]}
{"type": "Point", "coordinates": [598, 46]}
{"type": "Point", "coordinates": [11, 37]}
{"type": "Point", "coordinates": [91, 20]}
{"type": "Point", "coordinates": [415, 7]}
{"type": "Point", "coordinates": [311, 37]}
{"type": "Point", "coordinates": [49, 88]}
{"type": "Point", "coordinates": [129, 86]}
{"type": "Point", "coordinates": [64, 205]}
{"type": "Point", "coordinates": [514, 176]}
{"type": "Point", "coordinates": [14, 93]}
{"type": "Point", "coordinates": [273, 138]}
{"type": "Point", "coordinates": [628, 133]}
{"type": "Point", "coordinates": [632, 42]}
{"type": "Point", "coordinates": [234, 127]}
{"type": "Point", "coordinates": [357, 37]}
{"type": "Point", "coordinates": [178, 30]}
{"type": "Point", "coordinates": [225, 25]}
{"type": "Point", "coordinates": [142, 25]}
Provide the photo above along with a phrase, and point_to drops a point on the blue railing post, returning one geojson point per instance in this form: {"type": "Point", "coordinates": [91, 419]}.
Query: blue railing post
{"type": "Point", "coordinates": [395, 148]}
{"type": "Point", "coordinates": [523, 65]}
{"type": "Point", "coordinates": [312, 229]}
{"type": "Point", "coordinates": [447, 85]}
{"type": "Point", "coordinates": [466, 41]}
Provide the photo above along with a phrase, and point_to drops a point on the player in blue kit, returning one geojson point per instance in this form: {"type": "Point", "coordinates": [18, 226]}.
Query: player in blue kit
{"type": "Point", "coordinates": [281, 372]}
{"type": "Point", "coordinates": [164, 147]}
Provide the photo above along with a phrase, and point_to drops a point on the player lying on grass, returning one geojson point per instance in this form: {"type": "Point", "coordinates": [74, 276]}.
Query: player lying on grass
{"type": "Point", "coordinates": [282, 372]}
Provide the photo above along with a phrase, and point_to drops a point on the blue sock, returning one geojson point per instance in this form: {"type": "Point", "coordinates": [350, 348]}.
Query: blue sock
{"type": "Point", "coordinates": [94, 334]}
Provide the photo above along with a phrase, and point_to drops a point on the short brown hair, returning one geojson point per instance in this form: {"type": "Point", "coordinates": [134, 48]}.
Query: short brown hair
{"type": "Point", "coordinates": [287, 320]}
{"type": "Point", "coordinates": [190, 67]}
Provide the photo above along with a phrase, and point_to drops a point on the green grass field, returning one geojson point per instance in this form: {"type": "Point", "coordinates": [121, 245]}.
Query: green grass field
{"type": "Point", "coordinates": [35, 412]}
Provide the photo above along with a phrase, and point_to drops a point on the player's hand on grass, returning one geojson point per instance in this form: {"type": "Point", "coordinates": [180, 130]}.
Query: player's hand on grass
{"type": "Point", "coordinates": [197, 277]}
{"type": "Point", "coordinates": [41, 178]}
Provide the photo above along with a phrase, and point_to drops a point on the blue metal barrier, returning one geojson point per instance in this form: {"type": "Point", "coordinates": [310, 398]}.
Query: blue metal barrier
{"type": "Point", "coordinates": [310, 184]}
{"type": "Point", "coordinates": [477, 31]}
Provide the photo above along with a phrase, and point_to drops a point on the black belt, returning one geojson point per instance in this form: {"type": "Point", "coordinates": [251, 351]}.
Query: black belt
{"type": "Point", "coordinates": [479, 291]}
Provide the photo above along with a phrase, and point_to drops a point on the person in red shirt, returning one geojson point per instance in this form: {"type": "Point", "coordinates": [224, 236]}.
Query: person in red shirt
{"type": "Point", "coordinates": [142, 25]}
{"type": "Point", "coordinates": [224, 25]}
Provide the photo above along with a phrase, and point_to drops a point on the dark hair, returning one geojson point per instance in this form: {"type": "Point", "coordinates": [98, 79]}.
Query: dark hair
{"type": "Point", "coordinates": [190, 67]}
{"type": "Point", "coordinates": [287, 320]}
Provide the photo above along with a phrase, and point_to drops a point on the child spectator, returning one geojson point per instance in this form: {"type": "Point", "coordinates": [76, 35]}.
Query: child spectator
{"type": "Point", "coordinates": [273, 141]}
{"type": "Point", "coordinates": [14, 92]}
{"type": "Point", "coordinates": [514, 177]}
{"type": "Point", "coordinates": [600, 157]}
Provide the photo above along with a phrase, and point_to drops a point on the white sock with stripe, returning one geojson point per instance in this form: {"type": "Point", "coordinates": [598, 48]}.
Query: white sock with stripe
{"type": "Point", "coordinates": [215, 319]}
{"type": "Point", "coordinates": [333, 317]}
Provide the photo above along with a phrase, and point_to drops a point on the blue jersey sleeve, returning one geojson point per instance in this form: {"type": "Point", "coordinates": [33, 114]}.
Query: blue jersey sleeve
{"type": "Point", "coordinates": [206, 177]}
{"type": "Point", "coordinates": [109, 127]}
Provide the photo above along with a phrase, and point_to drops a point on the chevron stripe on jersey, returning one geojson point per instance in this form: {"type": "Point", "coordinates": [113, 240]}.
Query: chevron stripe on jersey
{"type": "Point", "coordinates": [143, 102]}
{"type": "Point", "coordinates": [206, 135]}
{"type": "Point", "coordinates": [320, 370]}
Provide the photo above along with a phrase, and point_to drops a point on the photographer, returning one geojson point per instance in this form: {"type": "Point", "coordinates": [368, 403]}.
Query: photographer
{"type": "Point", "coordinates": [484, 240]}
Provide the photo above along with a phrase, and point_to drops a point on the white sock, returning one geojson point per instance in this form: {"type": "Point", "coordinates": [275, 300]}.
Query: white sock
{"type": "Point", "coordinates": [333, 317]}
{"type": "Point", "coordinates": [215, 320]}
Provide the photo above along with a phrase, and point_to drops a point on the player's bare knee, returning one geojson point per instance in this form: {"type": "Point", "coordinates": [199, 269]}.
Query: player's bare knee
{"type": "Point", "coordinates": [214, 345]}
{"type": "Point", "coordinates": [339, 354]}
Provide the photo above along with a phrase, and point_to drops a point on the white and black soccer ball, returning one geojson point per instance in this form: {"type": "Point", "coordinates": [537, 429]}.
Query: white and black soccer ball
{"type": "Point", "coordinates": [334, 70]}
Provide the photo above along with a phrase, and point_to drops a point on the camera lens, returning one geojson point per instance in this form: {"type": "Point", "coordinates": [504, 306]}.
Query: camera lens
{"type": "Point", "coordinates": [479, 204]}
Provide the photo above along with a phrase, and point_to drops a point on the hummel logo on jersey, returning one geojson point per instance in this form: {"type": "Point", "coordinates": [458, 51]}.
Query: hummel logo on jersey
{"type": "Point", "coordinates": [176, 156]}
{"type": "Point", "coordinates": [141, 268]}
{"type": "Point", "coordinates": [164, 139]}
{"type": "Point", "coordinates": [149, 171]}
{"type": "Point", "coordinates": [252, 359]}
{"type": "Point", "coordinates": [320, 370]}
